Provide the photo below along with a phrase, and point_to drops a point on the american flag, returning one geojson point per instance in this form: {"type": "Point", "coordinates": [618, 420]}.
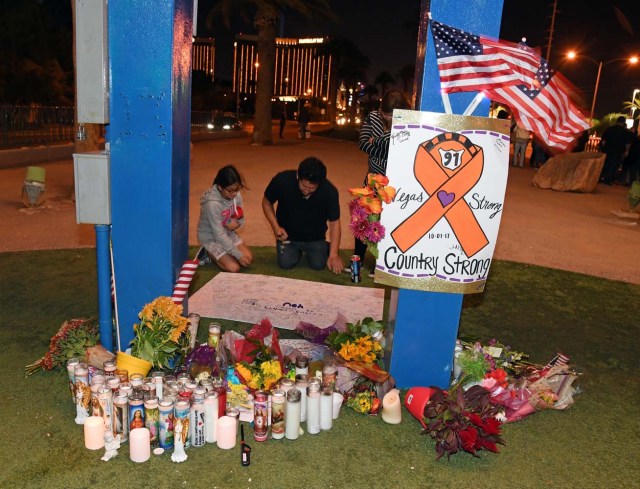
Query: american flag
{"type": "Point", "coordinates": [512, 74]}
{"type": "Point", "coordinates": [467, 62]}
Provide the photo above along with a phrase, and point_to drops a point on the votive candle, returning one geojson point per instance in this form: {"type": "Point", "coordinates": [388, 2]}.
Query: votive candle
{"type": "Point", "coordinates": [94, 432]}
{"type": "Point", "coordinates": [140, 445]}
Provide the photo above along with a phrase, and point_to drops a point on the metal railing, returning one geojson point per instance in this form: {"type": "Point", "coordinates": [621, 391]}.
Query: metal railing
{"type": "Point", "coordinates": [34, 125]}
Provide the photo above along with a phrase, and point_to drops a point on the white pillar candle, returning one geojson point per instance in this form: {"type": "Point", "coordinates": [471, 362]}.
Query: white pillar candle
{"type": "Point", "coordinates": [313, 412]}
{"type": "Point", "coordinates": [227, 432]}
{"type": "Point", "coordinates": [292, 415]}
{"type": "Point", "coordinates": [326, 409]}
{"type": "Point", "coordinates": [139, 445]}
{"type": "Point", "coordinates": [210, 416]}
{"type": "Point", "coordinates": [94, 432]}
{"type": "Point", "coordinates": [391, 407]}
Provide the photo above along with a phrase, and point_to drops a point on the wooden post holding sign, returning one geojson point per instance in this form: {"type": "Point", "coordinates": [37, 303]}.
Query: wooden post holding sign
{"type": "Point", "coordinates": [450, 173]}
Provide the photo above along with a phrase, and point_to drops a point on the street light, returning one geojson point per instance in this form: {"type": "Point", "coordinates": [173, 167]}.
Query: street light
{"type": "Point", "coordinates": [573, 55]}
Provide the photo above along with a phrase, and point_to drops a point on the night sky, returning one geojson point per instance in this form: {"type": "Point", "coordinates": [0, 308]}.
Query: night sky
{"type": "Point", "coordinates": [385, 31]}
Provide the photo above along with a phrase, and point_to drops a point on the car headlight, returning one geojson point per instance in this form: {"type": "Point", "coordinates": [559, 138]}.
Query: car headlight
{"type": "Point", "coordinates": [209, 125]}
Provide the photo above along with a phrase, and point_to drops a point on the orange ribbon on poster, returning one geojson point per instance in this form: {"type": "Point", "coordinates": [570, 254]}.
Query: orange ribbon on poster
{"type": "Point", "coordinates": [447, 167]}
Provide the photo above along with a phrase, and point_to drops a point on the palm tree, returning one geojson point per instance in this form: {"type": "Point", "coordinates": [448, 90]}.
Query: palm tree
{"type": "Point", "coordinates": [384, 79]}
{"type": "Point", "coordinates": [348, 65]}
{"type": "Point", "coordinates": [264, 14]}
{"type": "Point", "coordinates": [633, 105]}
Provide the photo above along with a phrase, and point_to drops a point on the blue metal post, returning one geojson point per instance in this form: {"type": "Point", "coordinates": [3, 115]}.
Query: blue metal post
{"type": "Point", "coordinates": [425, 324]}
{"type": "Point", "coordinates": [103, 265]}
{"type": "Point", "coordinates": [150, 100]}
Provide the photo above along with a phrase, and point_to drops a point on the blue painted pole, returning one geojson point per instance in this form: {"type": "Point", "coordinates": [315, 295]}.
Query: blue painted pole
{"type": "Point", "coordinates": [424, 325]}
{"type": "Point", "coordinates": [149, 135]}
{"type": "Point", "coordinates": [103, 266]}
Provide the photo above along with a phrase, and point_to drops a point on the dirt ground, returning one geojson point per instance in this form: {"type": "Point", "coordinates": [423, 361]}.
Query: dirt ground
{"type": "Point", "coordinates": [568, 231]}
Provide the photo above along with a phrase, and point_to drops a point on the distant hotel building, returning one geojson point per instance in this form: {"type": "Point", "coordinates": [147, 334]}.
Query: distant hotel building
{"type": "Point", "coordinates": [203, 55]}
{"type": "Point", "coordinates": [300, 70]}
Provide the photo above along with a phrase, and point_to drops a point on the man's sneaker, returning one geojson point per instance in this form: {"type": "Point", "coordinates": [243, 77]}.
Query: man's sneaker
{"type": "Point", "coordinates": [203, 257]}
{"type": "Point", "coordinates": [372, 274]}
{"type": "Point", "coordinates": [347, 270]}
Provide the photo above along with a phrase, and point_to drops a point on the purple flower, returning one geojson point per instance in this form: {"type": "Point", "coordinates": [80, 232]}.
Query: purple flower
{"type": "Point", "coordinates": [359, 229]}
{"type": "Point", "coordinates": [358, 214]}
{"type": "Point", "coordinates": [375, 232]}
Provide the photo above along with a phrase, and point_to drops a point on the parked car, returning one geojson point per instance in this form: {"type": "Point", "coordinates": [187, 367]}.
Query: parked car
{"type": "Point", "coordinates": [225, 123]}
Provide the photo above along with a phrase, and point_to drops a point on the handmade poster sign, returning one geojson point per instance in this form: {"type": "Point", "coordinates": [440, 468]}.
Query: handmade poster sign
{"type": "Point", "coordinates": [450, 173]}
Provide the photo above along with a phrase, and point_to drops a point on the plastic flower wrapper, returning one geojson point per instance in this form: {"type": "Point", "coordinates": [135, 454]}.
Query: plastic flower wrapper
{"type": "Point", "coordinates": [314, 334]}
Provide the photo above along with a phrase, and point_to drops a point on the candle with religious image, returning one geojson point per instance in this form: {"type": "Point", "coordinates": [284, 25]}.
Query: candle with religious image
{"type": "Point", "coordinates": [278, 402]}
{"type": "Point", "coordinates": [166, 423]}
{"type": "Point", "coordinates": [136, 411]}
{"type": "Point", "coordinates": [152, 419]}
{"type": "Point", "coordinates": [105, 400]}
{"type": "Point", "coordinates": [260, 415]}
{"type": "Point", "coordinates": [120, 418]}
{"type": "Point", "coordinates": [71, 365]}
{"type": "Point", "coordinates": [181, 411]}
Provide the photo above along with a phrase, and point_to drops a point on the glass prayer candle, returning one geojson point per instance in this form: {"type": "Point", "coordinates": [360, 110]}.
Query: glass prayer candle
{"type": "Point", "coordinates": [292, 415]}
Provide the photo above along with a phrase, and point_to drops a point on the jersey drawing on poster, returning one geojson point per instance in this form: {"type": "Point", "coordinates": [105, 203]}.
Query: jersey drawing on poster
{"type": "Point", "coordinates": [450, 174]}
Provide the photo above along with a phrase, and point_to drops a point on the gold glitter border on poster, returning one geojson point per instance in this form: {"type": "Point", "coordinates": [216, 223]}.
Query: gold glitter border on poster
{"type": "Point", "coordinates": [431, 284]}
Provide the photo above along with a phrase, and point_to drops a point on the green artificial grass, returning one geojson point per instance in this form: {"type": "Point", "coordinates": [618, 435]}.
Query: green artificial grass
{"type": "Point", "coordinates": [537, 310]}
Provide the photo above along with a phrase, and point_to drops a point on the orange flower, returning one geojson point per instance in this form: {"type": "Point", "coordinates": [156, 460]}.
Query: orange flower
{"type": "Point", "coordinates": [387, 193]}
{"type": "Point", "coordinates": [372, 204]}
{"type": "Point", "coordinates": [362, 191]}
{"type": "Point", "coordinates": [377, 180]}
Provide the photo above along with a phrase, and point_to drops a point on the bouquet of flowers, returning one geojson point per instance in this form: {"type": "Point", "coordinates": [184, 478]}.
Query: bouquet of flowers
{"type": "Point", "coordinates": [162, 336]}
{"type": "Point", "coordinates": [474, 360]}
{"type": "Point", "coordinates": [258, 358]}
{"type": "Point", "coordinates": [517, 386]}
{"type": "Point", "coordinates": [462, 420]}
{"type": "Point", "coordinates": [364, 402]}
{"type": "Point", "coordinates": [360, 348]}
{"type": "Point", "coordinates": [73, 339]}
{"type": "Point", "coordinates": [365, 210]}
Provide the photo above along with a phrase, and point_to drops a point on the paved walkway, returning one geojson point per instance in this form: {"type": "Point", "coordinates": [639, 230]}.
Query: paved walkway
{"type": "Point", "coordinates": [568, 231]}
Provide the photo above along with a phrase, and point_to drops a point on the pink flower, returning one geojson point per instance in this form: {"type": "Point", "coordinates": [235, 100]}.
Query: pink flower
{"type": "Point", "coordinates": [358, 213]}
{"type": "Point", "coordinates": [359, 229]}
{"type": "Point", "coordinates": [375, 232]}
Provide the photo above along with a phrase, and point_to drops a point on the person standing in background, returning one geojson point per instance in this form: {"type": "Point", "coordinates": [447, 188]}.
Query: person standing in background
{"type": "Point", "coordinates": [283, 120]}
{"type": "Point", "coordinates": [521, 138]}
{"type": "Point", "coordinates": [374, 140]}
{"type": "Point", "coordinates": [615, 143]}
